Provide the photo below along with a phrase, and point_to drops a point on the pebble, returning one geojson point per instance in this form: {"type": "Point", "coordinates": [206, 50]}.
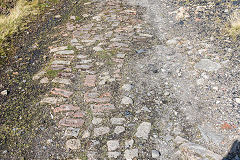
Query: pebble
{"type": "Point", "coordinates": [237, 100]}
{"type": "Point", "coordinates": [73, 144]}
{"type": "Point", "coordinates": [101, 131]}
{"type": "Point", "coordinates": [129, 154]}
{"type": "Point", "coordinates": [155, 154]}
{"type": "Point", "coordinates": [97, 121]}
{"type": "Point", "coordinates": [120, 56]}
{"type": "Point", "coordinates": [38, 75]}
{"type": "Point", "coordinates": [97, 49]}
{"type": "Point", "coordinates": [117, 120]}
{"type": "Point", "coordinates": [58, 16]}
{"type": "Point", "coordinates": [44, 80]}
{"type": "Point", "coordinates": [172, 42]}
{"type": "Point", "coordinates": [127, 87]}
{"type": "Point", "coordinates": [129, 143]}
{"type": "Point", "coordinates": [113, 154]}
{"type": "Point", "coordinates": [4, 93]}
{"type": "Point", "coordinates": [207, 65]}
{"type": "Point", "coordinates": [143, 130]}
{"type": "Point", "coordinates": [112, 145]}
{"type": "Point", "coordinates": [119, 129]}
{"type": "Point", "coordinates": [126, 100]}
{"type": "Point", "coordinates": [86, 134]}
{"type": "Point", "coordinates": [71, 132]}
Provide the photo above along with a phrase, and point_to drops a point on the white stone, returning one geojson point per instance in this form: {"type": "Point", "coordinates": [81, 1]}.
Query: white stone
{"type": "Point", "coordinates": [237, 100]}
{"type": "Point", "coordinates": [4, 93]}
{"type": "Point", "coordinates": [120, 55]}
{"type": "Point", "coordinates": [38, 75]}
{"type": "Point", "coordinates": [126, 100]}
{"type": "Point", "coordinates": [44, 80]}
{"type": "Point", "coordinates": [155, 154]}
{"type": "Point", "coordinates": [74, 40]}
{"type": "Point", "coordinates": [129, 143]}
{"type": "Point", "coordinates": [80, 56]}
{"type": "Point", "coordinates": [72, 17]}
{"type": "Point", "coordinates": [113, 154]}
{"type": "Point", "coordinates": [129, 154]}
{"type": "Point", "coordinates": [73, 144]}
{"type": "Point", "coordinates": [207, 65]}
{"type": "Point", "coordinates": [58, 49]}
{"type": "Point", "coordinates": [119, 129]}
{"type": "Point", "coordinates": [96, 121]}
{"type": "Point", "coordinates": [101, 131]}
{"type": "Point", "coordinates": [117, 120]}
{"type": "Point", "coordinates": [61, 62]}
{"type": "Point", "coordinates": [172, 42]}
{"type": "Point", "coordinates": [86, 134]}
{"type": "Point", "coordinates": [71, 132]}
{"type": "Point", "coordinates": [127, 87]}
{"type": "Point", "coordinates": [143, 130]}
{"type": "Point", "coordinates": [58, 16]}
{"type": "Point", "coordinates": [112, 145]}
{"type": "Point", "coordinates": [97, 49]}
{"type": "Point", "coordinates": [65, 52]}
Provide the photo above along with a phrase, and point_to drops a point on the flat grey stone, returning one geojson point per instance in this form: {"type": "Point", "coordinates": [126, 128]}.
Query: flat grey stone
{"type": "Point", "coordinates": [86, 134]}
{"type": "Point", "coordinates": [44, 80]}
{"type": "Point", "coordinates": [80, 56]}
{"type": "Point", "coordinates": [113, 154]}
{"type": "Point", "coordinates": [73, 144]}
{"type": "Point", "coordinates": [143, 130]}
{"type": "Point", "coordinates": [129, 154]}
{"type": "Point", "coordinates": [71, 132]}
{"type": "Point", "coordinates": [83, 67]}
{"type": "Point", "coordinates": [120, 56]}
{"type": "Point", "coordinates": [117, 120]}
{"type": "Point", "coordinates": [207, 65]}
{"type": "Point", "coordinates": [61, 62]}
{"type": "Point", "coordinates": [65, 52]}
{"type": "Point", "coordinates": [195, 151]}
{"type": "Point", "coordinates": [155, 154]}
{"type": "Point", "coordinates": [119, 129]}
{"type": "Point", "coordinates": [38, 75]}
{"type": "Point", "coordinates": [112, 145]}
{"type": "Point", "coordinates": [74, 40]}
{"type": "Point", "coordinates": [101, 131]}
{"type": "Point", "coordinates": [52, 100]}
{"type": "Point", "coordinates": [127, 87]}
{"type": "Point", "coordinates": [129, 143]}
{"type": "Point", "coordinates": [97, 49]}
{"type": "Point", "coordinates": [172, 42]}
{"type": "Point", "coordinates": [58, 49]}
{"type": "Point", "coordinates": [97, 121]}
{"type": "Point", "coordinates": [126, 100]}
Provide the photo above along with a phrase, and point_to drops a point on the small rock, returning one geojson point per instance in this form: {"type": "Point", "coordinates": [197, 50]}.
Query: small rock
{"type": "Point", "coordinates": [129, 154]}
{"type": "Point", "coordinates": [101, 131]}
{"type": "Point", "coordinates": [4, 93]}
{"type": "Point", "coordinates": [97, 49]}
{"type": "Point", "coordinates": [113, 154]}
{"type": "Point", "coordinates": [237, 100]}
{"type": "Point", "coordinates": [117, 120]}
{"type": "Point", "coordinates": [73, 144]}
{"type": "Point", "coordinates": [38, 75]}
{"type": "Point", "coordinates": [58, 16]}
{"type": "Point", "coordinates": [52, 100]}
{"type": "Point", "coordinates": [155, 154]}
{"type": "Point", "coordinates": [61, 80]}
{"type": "Point", "coordinates": [112, 145]}
{"type": "Point", "coordinates": [72, 17]}
{"type": "Point", "coordinates": [143, 130]}
{"type": "Point", "coordinates": [126, 100]}
{"type": "Point", "coordinates": [127, 87]}
{"type": "Point", "coordinates": [44, 80]}
{"type": "Point", "coordinates": [172, 42]}
{"type": "Point", "coordinates": [71, 132]}
{"type": "Point", "coordinates": [129, 143]}
{"type": "Point", "coordinates": [96, 121]}
{"type": "Point", "coordinates": [141, 51]}
{"type": "Point", "coordinates": [86, 134]}
{"type": "Point", "coordinates": [119, 129]}
{"type": "Point", "coordinates": [207, 65]}
{"type": "Point", "coordinates": [120, 56]}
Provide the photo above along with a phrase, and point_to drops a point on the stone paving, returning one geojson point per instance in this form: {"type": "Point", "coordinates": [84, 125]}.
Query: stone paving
{"type": "Point", "coordinates": [90, 100]}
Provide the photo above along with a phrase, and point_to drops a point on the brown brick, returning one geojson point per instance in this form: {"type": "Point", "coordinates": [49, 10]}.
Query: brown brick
{"type": "Point", "coordinates": [65, 107]}
{"type": "Point", "coordinates": [70, 122]}
{"type": "Point", "coordinates": [61, 92]}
